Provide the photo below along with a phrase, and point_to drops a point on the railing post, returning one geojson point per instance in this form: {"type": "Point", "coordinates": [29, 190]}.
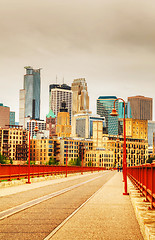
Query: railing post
{"type": "Point", "coordinates": [146, 179]}
{"type": "Point", "coordinates": [9, 172]}
{"type": "Point", "coordinates": [151, 185]}
{"type": "Point", "coordinates": [18, 178]}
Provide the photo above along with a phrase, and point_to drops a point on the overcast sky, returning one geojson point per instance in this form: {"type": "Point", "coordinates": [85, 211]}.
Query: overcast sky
{"type": "Point", "coordinates": [111, 43]}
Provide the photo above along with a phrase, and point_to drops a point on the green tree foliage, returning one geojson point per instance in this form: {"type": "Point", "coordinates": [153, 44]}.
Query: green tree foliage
{"type": "Point", "coordinates": [89, 163]}
{"type": "Point", "coordinates": [53, 161]}
{"type": "Point", "coordinates": [3, 159]}
{"type": "Point", "coordinates": [11, 161]}
{"type": "Point", "coordinates": [71, 163]}
{"type": "Point", "coordinates": [150, 160]}
{"type": "Point", "coordinates": [76, 162]}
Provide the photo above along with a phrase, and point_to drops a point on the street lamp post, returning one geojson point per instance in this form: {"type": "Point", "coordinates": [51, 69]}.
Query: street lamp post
{"type": "Point", "coordinates": [114, 114]}
{"type": "Point", "coordinates": [36, 130]}
{"type": "Point", "coordinates": [66, 158]}
{"type": "Point", "coordinates": [82, 160]}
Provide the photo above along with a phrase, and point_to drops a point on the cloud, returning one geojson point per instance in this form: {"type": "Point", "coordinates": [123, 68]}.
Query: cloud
{"type": "Point", "coordinates": [69, 25]}
{"type": "Point", "coordinates": [110, 42]}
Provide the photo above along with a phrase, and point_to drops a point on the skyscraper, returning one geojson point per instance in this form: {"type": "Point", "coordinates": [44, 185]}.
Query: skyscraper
{"type": "Point", "coordinates": [141, 107]}
{"type": "Point", "coordinates": [80, 96]}
{"type": "Point", "coordinates": [57, 94]}
{"type": "Point", "coordinates": [105, 105]}
{"type": "Point", "coordinates": [29, 105]}
{"type": "Point", "coordinates": [127, 110]}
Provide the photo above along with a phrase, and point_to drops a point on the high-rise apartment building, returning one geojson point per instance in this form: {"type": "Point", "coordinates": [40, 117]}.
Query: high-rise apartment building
{"type": "Point", "coordinates": [57, 94]}
{"type": "Point", "coordinates": [80, 96]}
{"type": "Point", "coordinates": [4, 116]}
{"type": "Point", "coordinates": [141, 107]}
{"type": "Point", "coordinates": [29, 103]}
{"type": "Point", "coordinates": [105, 105]}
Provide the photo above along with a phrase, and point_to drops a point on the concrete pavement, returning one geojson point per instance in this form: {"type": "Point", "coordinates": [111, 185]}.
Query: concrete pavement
{"type": "Point", "coordinates": [107, 215]}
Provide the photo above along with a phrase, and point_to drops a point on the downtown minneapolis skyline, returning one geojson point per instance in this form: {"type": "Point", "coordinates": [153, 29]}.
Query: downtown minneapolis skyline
{"type": "Point", "coordinates": [109, 43]}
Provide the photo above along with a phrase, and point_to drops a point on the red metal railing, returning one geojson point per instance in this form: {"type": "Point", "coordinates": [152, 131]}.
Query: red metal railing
{"type": "Point", "coordinates": [143, 178]}
{"type": "Point", "coordinates": [9, 172]}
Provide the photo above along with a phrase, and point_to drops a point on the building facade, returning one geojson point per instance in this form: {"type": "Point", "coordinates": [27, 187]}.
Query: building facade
{"type": "Point", "coordinates": [14, 144]}
{"type": "Point", "coordinates": [57, 94]}
{"type": "Point", "coordinates": [135, 128]}
{"type": "Point", "coordinates": [70, 148]}
{"type": "Point", "coordinates": [4, 116]}
{"type": "Point", "coordinates": [141, 107]}
{"type": "Point", "coordinates": [82, 124]}
{"type": "Point", "coordinates": [99, 158]}
{"type": "Point", "coordinates": [41, 150]}
{"type": "Point", "coordinates": [105, 104]}
{"type": "Point", "coordinates": [136, 150]}
{"type": "Point", "coordinates": [29, 105]}
{"type": "Point", "coordinates": [40, 123]}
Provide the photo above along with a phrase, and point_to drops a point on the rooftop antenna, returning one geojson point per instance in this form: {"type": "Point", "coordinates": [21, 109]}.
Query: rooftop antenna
{"type": "Point", "coordinates": [56, 79]}
{"type": "Point", "coordinates": [63, 80]}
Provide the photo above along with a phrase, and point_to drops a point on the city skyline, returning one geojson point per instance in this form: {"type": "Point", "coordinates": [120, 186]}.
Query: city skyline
{"type": "Point", "coordinates": [109, 43]}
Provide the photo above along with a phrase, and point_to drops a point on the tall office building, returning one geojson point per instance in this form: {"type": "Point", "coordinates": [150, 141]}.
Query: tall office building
{"type": "Point", "coordinates": [105, 105]}
{"type": "Point", "coordinates": [29, 103]}
{"type": "Point", "coordinates": [141, 107]}
{"type": "Point", "coordinates": [127, 110]}
{"type": "Point", "coordinates": [80, 96]}
{"type": "Point", "coordinates": [57, 94]}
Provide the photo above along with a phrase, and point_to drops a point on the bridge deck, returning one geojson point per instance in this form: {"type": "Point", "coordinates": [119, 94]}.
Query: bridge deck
{"type": "Point", "coordinates": [108, 215]}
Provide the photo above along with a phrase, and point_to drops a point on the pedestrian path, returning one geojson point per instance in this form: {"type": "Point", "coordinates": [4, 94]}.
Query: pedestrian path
{"type": "Point", "coordinates": [108, 215]}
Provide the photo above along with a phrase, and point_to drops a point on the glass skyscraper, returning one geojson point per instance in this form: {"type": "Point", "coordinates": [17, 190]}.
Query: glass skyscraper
{"type": "Point", "coordinates": [127, 110]}
{"type": "Point", "coordinates": [32, 92]}
{"type": "Point", "coordinates": [105, 105]}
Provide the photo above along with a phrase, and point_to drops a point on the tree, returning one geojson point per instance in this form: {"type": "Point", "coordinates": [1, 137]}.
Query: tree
{"type": "Point", "coordinates": [71, 163]}
{"type": "Point", "coordinates": [89, 163]}
{"type": "Point", "coordinates": [3, 159]}
{"type": "Point", "coordinates": [150, 160]}
{"type": "Point", "coordinates": [53, 161]}
{"type": "Point", "coordinates": [76, 162]}
{"type": "Point", "coordinates": [11, 161]}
